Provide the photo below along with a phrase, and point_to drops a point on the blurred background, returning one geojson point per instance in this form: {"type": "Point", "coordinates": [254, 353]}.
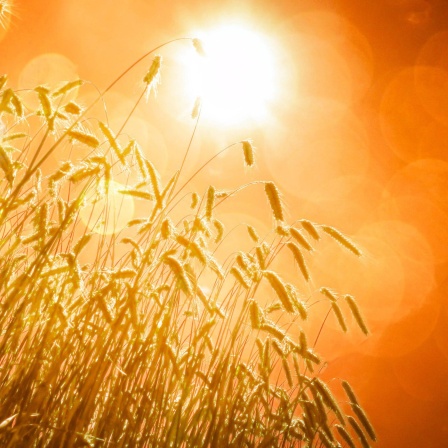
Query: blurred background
{"type": "Point", "coordinates": [355, 135]}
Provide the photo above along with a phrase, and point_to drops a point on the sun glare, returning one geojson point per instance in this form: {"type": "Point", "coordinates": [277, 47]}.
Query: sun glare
{"type": "Point", "coordinates": [236, 78]}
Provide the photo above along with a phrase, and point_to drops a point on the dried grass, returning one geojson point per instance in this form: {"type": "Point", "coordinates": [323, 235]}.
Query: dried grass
{"type": "Point", "coordinates": [137, 349]}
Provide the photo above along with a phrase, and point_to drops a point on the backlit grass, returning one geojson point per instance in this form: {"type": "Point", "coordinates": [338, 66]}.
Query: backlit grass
{"type": "Point", "coordinates": [121, 332]}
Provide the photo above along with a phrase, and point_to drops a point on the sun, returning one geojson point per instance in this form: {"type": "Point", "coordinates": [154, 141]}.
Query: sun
{"type": "Point", "coordinates": [236, 80]}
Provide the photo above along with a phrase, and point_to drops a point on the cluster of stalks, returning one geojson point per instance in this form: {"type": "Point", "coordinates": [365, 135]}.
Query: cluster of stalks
{"type": "Point", "coordinates": [142, 337]}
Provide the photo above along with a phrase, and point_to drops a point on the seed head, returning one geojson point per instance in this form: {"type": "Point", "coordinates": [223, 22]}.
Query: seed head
{"type": "Point", "coordinates": [310, 229]}
{"type": "Point", "coordinates": [274, 200]}
{"type": "Point", "coordinates": [152, 78]}
{"type": "Point", "coordinates": [341, 239]}
{"type": "Point", "coordinates": [210, 202]}
{"type": "Point", "coordinates": [196, 108]}
{"type": "Point", "coordinates": [248, 150]}
{"type": "Point", "coordinates": [356, 314]}
{"type": "Point", "coordinates": [197, 44]}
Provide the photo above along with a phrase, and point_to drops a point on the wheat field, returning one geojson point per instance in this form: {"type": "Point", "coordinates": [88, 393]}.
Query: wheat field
{"type": "Point", "coordinates": [135, 333]}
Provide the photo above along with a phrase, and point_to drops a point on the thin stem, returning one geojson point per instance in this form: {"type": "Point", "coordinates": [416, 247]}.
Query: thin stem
{"type": "Point", "coordinates": [31, 171]}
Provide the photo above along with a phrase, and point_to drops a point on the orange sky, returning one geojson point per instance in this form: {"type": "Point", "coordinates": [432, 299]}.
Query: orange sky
{"type": "Point", "coordinates": [358, 141]}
